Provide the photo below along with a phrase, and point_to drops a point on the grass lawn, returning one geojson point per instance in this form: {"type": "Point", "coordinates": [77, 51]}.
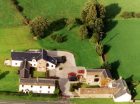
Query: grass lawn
{"type": "Point", "coordinates": [8, 15]}
{"type": "Point", "coordinates": [124, 42]}
{"type": "Point", "coordinates": [37, 74]}
{"type": "Point", "coordinates": [52, 10]}
{"type": "Point", "coordinates": [95, 101]}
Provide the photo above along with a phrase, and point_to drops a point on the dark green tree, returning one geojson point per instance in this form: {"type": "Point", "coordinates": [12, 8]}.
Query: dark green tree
{"type": "Point", "coordinates": [89, 14]}
{"type": "Point", "coordinates": [99, 49]}
{"type": "Point", "coordinates": [83, 32]}
{"type": "Point", "coordinates": [93, 16]}
{"type": "Point", "coordinates": [38, 27]}
{"type": "Point", "coordinates": [95, 38]}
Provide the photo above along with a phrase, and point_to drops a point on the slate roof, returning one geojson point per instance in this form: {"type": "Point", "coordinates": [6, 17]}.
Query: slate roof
{"type": "Point", "coordinates": [37, 81]}
{"type": "Point", "coordinates": [24, 69]}
{"type": "Point", "coordinates": [30, 55]}
{"type": "Point", "coordinates": [122, 88]}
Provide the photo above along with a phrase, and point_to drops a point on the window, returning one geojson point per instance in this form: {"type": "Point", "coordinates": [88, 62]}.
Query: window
{"type": "Point", "coordinates": [96, 75]}
{"type": "Point", "coordinates": [96, 80]}
{"type": "Point", "coordinates": [34, 64]}
{"type": "Point", "coordinates": [48, 92]}
{"type": "Point", "coordinates": [40, 86]}
{"type": "Point", "coordinates": [52, 66]}
{"type": "Point", "coordinates": [22, 85]}
{"type": "Point", "coordinates": [48, 86]}
{"type": "Point", "coordinates": [47, 65]}
{"type": "Point", "coordinates": [31, 86]}
{"type": "Point", "coordinates": [15, 63]}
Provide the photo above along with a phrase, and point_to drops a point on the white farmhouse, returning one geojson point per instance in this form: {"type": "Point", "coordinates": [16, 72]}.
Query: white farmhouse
{"type": "Point", "coordinates": [39, 59]}
{"type": "Point", "coordinates": [40, 85]}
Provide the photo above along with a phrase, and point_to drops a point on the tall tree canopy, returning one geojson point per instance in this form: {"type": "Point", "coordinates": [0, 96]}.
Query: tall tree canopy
{"type": "Point", "coordinates": [93, 15]}
{"type": "Point", "coordinates": [38, 26]}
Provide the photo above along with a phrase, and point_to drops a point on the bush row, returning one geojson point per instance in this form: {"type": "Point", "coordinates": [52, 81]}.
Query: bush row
{"type": "Point", "coordinates": [127, 15]}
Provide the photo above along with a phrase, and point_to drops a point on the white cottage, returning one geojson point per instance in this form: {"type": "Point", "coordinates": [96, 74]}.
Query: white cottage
{"type": "Point", "coordinates": [40, 85]}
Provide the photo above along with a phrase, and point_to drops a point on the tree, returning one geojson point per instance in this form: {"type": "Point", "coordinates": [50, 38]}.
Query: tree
{"type": "Point", "coordinates": [98, 25]}
{"type": "Point", "coordinates": [38, 27]}
{"type": "Point", "coordinates": [95, 38]}
{"type": "Point", "coordinates": [99, 49]}
{"type": "Point", "coordinates": [83, 32]}
{"type": "Point", "coordinates": [101, 11]}
{"type": "Point", "coordinates": [92, 16]}
{"type": "Point", "coordinates": [89, 14]}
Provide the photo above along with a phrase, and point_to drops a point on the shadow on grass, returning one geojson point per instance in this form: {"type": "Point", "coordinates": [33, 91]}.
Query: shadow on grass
{"type": "Point", "coordinates": [111, 38]}
{"type": "Point", "coordinates": [3, 74]}
{"type": "Point", "coordinates": [55, 26]}
{"type": "Point", "coordinates": [112, 11]}
{"type": "Point", "coordinates": [132, 85]}
{"type": "Point", "coordinates": [106, 48]}
{"type": "Point", "coordinates": [110, 24]}
{"type": "Point", "coordinates": [114, 69]}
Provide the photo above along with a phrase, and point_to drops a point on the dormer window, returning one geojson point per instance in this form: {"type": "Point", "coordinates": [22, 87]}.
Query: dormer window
{"type": "Point", "coordinates": [33, 60]}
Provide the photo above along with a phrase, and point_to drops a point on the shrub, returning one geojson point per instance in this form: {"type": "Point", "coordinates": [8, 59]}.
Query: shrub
{"type": "Point", "coordinates": [38, 27]}
{"type": "Point", "coordinates": [99, 49]}
{"type": "Point", "coordinates": [126, 15]}
{"type": "Point", "coordinates": [83, 32]}
{"type": "Point", "coordinates": [59, 38]}
{"type": "Point", "coordinates": [71, 23]}
{"type": "Point", "coordinates": [75, 86]}
{"type": "Point", "coordinates": [137, 15]}
{"type": "Point", "coordinates": [95, 38]}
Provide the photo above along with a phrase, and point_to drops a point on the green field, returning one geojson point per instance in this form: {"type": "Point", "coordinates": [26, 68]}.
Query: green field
{"type": "Point", "coordinates": [124, 42]}
{"type": "Point", "coordinates": [9, 15]}
{"type": "Point", "coordinates": [52, 10]}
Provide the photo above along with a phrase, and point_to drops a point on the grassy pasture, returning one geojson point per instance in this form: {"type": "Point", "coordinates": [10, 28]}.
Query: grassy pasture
{"type": "Point", "coordinates": [52, 9]}
{"type": "Point", "coordinates": [9, 15]}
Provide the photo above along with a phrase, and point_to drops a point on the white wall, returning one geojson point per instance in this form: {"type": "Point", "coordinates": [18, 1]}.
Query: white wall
{"type": "Point", "coordinates": [37, 89]}
{"type": "Point", "coordinates": [33, 63]}
{"type": "Point", "coordinates": [124, 98]}
{"type": "Point", "coordinates": [16, 63]}
{"type": "Point", "coordinates": [51, 66]}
